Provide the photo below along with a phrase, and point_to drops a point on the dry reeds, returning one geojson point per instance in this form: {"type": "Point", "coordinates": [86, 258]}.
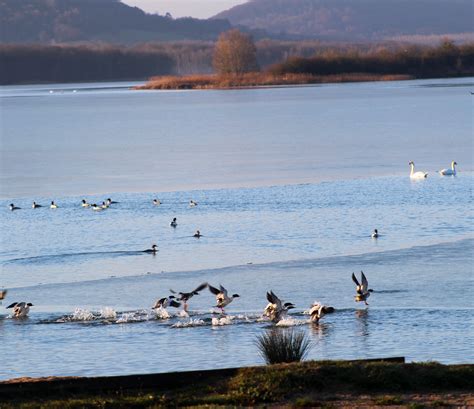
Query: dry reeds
{"type": "Point", "coordinates": [258, 79]}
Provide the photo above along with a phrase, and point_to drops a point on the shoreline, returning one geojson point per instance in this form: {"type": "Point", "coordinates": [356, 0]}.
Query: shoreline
{"type": "Point", "coordinates": [377, 382]}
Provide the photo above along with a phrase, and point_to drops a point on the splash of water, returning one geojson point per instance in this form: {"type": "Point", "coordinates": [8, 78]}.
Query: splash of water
{"type": "Point", "coordinates": [191, 323]}
{"type": "Point", "coordinates": [291, 322]}
{"type": "Point", "coordinates": [108, 313]}
{"type": "Point", "coordinates": [80, 314]}
{"type": "Point", "coordinates": [227, 320]}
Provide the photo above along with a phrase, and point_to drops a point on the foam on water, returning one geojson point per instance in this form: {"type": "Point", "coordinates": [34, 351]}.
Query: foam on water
{"type": "Point", "coordinates": [291, 322]}
{"type": "Point", "coordinates": [193, 322]}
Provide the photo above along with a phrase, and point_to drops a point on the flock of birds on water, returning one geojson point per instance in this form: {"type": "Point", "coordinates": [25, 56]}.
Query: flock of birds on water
{"type": "Point", "coordinates": [276, 310]}
{"type": "Point", "coordinates": [106, 204]}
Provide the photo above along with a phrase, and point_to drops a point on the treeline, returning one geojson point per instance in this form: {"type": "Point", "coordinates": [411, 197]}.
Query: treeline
{"type": "Point", "coordinates": [95, 62]}
{"type": "Point", "coordinates": [66, 63]}
{"type": "Point", "coordinates": [445, 60]}
{"type": "Point", "coordinates": [30, 64]}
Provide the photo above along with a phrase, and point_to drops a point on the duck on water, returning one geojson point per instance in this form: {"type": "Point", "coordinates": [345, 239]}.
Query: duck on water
{"type": "Point", "coordinates": [222, 296]}
{"type": "Point", "coordinates": [153, 250]}
{"type": "Point", "coordinates": [20, 309]}
{"type": "Point", "coordinates": [276, 310]}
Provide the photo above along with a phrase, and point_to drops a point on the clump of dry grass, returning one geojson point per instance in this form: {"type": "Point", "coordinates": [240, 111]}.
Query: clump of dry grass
{"type": "Point", "coordinates": [258, 79]}
{"type": "Point", "coordinates": [283, 346]}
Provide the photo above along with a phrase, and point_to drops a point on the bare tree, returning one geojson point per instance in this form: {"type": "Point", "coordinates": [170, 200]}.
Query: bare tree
{"type": "Point", "coordinates": [235, 53]}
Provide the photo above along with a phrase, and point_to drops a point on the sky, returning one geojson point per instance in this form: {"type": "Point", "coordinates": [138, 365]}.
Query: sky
{"type": "Point", "coordinates": [184, 8]}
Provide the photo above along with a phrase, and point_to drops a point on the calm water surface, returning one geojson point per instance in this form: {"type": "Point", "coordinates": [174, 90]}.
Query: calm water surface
{"type": "Point", "coordinates": [290, 183]}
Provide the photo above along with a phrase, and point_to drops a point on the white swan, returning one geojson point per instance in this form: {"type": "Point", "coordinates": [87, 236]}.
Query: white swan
{"type": "Point", "coordinates": [449, 172]}
{"type": "Point", "coordinates": [416, 175]}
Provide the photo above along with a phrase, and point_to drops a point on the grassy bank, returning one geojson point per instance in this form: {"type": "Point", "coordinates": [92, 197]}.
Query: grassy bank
{"type": "Point", "coordinates": [318, 384]}
{"type": "Point", "coordinates": [258, 80]}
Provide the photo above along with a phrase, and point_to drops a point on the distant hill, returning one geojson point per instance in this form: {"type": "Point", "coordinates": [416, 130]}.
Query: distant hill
{"type": "Point", "coordinates": [354, 19]}
{"type": "Point", "coordinates": [50, 21]}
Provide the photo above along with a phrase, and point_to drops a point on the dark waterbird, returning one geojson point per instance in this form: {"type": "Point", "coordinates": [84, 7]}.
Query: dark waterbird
{"type": "Point", "coordinates": [166, 302]}
{"type": "Point", "coordinates": [153, 250]}
{"type": "Point", "coordinates": [186, 296]}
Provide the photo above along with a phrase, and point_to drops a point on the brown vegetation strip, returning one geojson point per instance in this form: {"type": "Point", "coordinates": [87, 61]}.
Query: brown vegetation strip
{"type": "Point", "coordinates": [252, 80]}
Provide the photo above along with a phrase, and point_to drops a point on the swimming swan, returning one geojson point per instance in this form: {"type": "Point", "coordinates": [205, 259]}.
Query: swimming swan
{"type": "Point", "coordinates": [20, 309]}
{"type": "Point", "coordinates": [449, 172]}
{"type": "Point", "coordinates": [222, 297]}
{"type": "Point", "coordinates": [416, 175]}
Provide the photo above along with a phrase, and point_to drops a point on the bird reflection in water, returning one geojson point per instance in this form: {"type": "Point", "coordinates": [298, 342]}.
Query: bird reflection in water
{"type": "Point", "coordinates": [320, 329]}
{"type": "Point", "coordinates": [362, 322]}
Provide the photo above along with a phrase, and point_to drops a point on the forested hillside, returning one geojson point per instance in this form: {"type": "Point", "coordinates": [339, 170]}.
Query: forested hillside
{"type": "Point", "coordinates": [351, 20]}
{"type": "Point", "coordinates": [50, 21]}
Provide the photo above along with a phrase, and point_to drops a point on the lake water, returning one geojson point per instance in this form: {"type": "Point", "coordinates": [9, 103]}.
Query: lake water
{"type": "Point", "coordinates": [290, 182]}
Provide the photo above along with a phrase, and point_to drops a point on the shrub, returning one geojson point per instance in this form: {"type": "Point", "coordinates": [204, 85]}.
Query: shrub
{"type": "Point", "coordinates": [281, 346]}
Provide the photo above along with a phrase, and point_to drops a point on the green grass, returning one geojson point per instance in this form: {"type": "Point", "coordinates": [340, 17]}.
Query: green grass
{"type": "Point", "coordinates": [302, 384]}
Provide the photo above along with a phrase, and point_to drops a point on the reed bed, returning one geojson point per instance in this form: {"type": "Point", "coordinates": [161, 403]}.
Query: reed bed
{"type": "Point", "coordinates": [258, 79]}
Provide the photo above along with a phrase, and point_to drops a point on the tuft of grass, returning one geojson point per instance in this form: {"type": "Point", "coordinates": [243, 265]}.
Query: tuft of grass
{"type": "Point", "coordinates": [388, 400]}
{"type": "Point", "coordinates": [282, 346]}
{"type": "Point", "coordinates": [306, 402]}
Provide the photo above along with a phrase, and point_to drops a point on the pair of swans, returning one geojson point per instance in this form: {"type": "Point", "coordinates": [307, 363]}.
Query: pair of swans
{"type": "Point", "coordinates": [423, 175]}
